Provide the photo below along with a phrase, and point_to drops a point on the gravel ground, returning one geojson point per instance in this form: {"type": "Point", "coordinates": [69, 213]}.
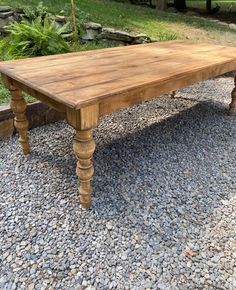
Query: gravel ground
{"type": "Point", "coordinates": [164, 205]}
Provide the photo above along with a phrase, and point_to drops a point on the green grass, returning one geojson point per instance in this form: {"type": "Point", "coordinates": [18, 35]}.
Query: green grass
{"type": "Point", "coordinates": [4, 95]}
{"type": "Point", "coordinates": [136, 19]}
{"type": "Point", "coordinates": [122, 16]}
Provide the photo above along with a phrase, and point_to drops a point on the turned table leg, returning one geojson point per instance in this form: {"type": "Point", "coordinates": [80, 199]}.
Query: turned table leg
{"type": "Point", "coordinates": [18, 106]}
{"type": "Point", "coordinates": [83, 121]}
{"type": "Point", "coordinates": [172, 94]}
{"type": "Point", "coordinates": [84, 147]}
{"type": "Point", "coordinates": [232, 105]}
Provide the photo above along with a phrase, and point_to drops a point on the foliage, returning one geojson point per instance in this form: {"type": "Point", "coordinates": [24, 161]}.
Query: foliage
{"type": "Point", "coordinates": [39, 11]}
{"type": "Point", "coordinates": [4, 95]}
{"type": "Point", "coordinates": [41, 37]}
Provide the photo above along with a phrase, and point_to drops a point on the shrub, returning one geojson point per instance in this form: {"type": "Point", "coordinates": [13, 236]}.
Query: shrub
{"type": "Point", "coordinates": [41, 37]}
{"type": "Point", "coordinates": [39, 11]}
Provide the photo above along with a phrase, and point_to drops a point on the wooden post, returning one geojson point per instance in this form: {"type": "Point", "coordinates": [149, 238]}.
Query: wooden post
{"type": "Point", "coordinates": [232, 105]}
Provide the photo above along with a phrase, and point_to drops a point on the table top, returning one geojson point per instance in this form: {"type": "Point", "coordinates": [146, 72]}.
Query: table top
{"type": "Point", "coordinates": [81, 78]}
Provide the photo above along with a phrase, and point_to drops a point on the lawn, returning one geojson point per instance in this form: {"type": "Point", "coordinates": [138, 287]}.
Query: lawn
{"type": "Point", "coordinates": [137, 19]}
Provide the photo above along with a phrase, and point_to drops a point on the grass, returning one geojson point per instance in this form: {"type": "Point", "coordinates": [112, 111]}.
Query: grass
{"type": "Point", "coordinates": [136, 19]}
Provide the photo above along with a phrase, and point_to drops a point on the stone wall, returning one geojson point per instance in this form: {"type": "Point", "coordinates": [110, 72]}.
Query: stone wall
{"type": "Point", "coordinates": [109, 36]}
{"type": "Point", "coordinates": [9, 15]}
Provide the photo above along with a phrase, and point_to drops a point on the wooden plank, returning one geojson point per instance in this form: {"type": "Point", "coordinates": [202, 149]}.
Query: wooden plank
{"type": "Point", "coordinates": [108, 89]}
{"type": "Point", "coordinates": [144, 93]}
{"type": "Point", "coordinates": [82, 78]}
{"type": "Point", "coordinates": [70, 71]}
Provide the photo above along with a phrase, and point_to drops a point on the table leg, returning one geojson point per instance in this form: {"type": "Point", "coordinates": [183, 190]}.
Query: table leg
{"type": "Point", "coordinates": [172, 94]}
{"type": "Point", "coordinates": [83, 121]}
{"type": "Point", "coordinates": [18, 106]}
{"type": "Point", "coordinates": [232, 105]}
{"type": "Point", "coordinates": [84, 147]}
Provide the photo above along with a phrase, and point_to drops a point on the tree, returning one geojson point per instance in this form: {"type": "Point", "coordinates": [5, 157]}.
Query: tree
{"type": "Point", "coordinates": [208, 5]}
{"type": "Point", "coordinates": [180, 4]}
{"type": "Point", "coordinates": [161, 5]}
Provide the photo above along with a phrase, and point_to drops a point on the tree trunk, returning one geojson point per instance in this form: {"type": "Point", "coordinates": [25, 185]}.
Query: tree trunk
{"type": "Point", "coordinates": [208, 5]}
{"type": "Point", "coordinates": [180, 4]}
{"type": "Point", "coordinates": [161, 5]}
{"type": "Point", "coordinates": [73, 21]}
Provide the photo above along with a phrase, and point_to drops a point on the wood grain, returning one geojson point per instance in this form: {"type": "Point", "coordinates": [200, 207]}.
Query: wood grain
{"type": "Point", "coordinates": [82, 78]}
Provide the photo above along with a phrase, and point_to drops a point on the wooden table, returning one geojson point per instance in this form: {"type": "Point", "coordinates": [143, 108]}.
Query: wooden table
{"type": "Point", "coordinates": [87, 85]}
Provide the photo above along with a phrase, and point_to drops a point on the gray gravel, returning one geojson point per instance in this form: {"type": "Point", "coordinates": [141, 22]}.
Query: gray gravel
{"type": "Point", "coordinates": [164, 206]}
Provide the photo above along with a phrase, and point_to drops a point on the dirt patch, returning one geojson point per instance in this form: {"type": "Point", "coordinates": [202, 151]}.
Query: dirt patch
{"type": "Point", "coordinates": [228, 17]}
{"type": "Point", "coordinates": [201, 35]}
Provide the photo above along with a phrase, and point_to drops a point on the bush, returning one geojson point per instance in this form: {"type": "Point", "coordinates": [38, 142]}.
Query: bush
{"type": "Point", "coordinates": [41, 37]}
{"type": "Point", "coordinates": [39, 11]}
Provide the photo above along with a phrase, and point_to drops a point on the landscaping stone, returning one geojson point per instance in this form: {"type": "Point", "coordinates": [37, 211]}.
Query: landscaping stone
{"type": "Point", "coordinates": [5, 8]}
{"type": "Point", "coordinates": [60, 18]}
{"type": "Point", "coordinates": [141, 38]}
{"type": "Point", "coordinates": [232, 26]}
{"type": "Point", "coordinates": [6, 14]}
{"type": "Point", "coordinates": [112, 34]}
{"type": "Point", "coordinates": [4, 22]}
{"type": "Point", "coordinates": [92, 30]}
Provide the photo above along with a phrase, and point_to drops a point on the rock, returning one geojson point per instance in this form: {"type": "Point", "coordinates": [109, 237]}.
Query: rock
{"type": "Point", "coordinates": [9, 258]}
{"type": "Point", "coordinates": [112, 34]}
{"type": "Point", "coordinates": [92, 25]}
{"type": "Point", "coordinates": [6, 14]}
{"type": "Point", "coordinates": [4, 22]}
{"type": "Point", "coordinates": [60, 18]}
{"type": "Point", "coordinates": [109, 226]}
{"type": "Point", "coordinates": [141, 38]}
{"type": "Point", "coordinates": [223, 23]}
{"type": "Point", "coordinates": [5, 8]}
{"type": "Point", "coordinates": [92, 30]}
{"type": "Point", "coordinates": [232, 26]}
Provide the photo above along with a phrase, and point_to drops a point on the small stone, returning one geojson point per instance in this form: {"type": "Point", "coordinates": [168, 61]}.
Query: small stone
{"type": "Point", "coordinates": [9, 258]}
{"type": "Point", "coordinates": [109, 226]}
{"type": "Point", "coordinates": [60, 255]}
{"type": "Point", "coordinates": [31, 286]}
{"type": "Point", "coordinates": [73, 271]}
